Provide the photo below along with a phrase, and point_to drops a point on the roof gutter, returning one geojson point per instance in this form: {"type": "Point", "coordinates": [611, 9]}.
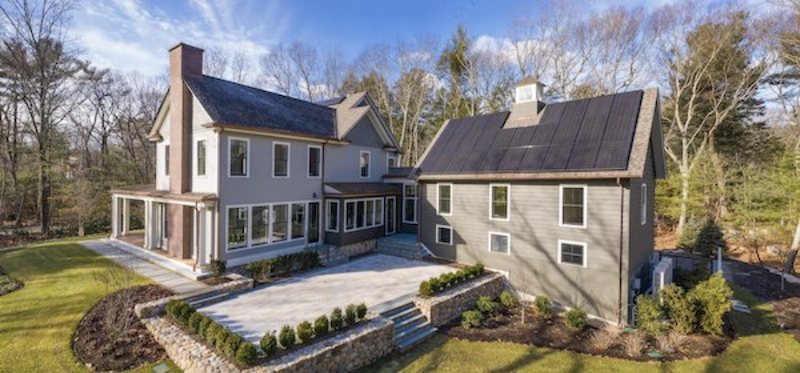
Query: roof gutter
{"type": "Point", "coordinates": [493, 176]}
{"type": "Point", "coordinates": [273, 133]}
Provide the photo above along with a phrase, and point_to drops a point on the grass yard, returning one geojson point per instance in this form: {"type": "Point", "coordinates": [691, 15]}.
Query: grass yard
{"type": "Point", "coordinates": [37, 322]}
{"type": "Point", "coordinates": [763, 348]}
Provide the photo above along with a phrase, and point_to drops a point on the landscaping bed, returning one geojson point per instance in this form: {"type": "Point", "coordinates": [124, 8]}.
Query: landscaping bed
{"type": "Point", "coordinates": [111, 337]}
{"type": "Point", "coordinates": [8, 283]}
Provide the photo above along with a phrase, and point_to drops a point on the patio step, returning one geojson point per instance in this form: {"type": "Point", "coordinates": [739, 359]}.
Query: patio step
{"type": "Point", "coordinates": [401, 247]}
{"type": "Point", "coordinates": [410, 325]}
{"type": "Point", "coordinates": [208, 299]}
{"type": "Point", "coordinates": [416, 339]}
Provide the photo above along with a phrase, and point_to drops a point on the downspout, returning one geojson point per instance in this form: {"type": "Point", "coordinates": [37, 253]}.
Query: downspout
{"type": "Point", "coordinates": [621, 248]}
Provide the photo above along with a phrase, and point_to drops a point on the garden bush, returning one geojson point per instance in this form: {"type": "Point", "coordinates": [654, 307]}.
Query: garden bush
{"type": "Point", "coordinates": [472, 319]}
{"type": "Point", "coordinates": [211, 333]}
{"type": "Point", "coordinates": [576, 318]}
{"type": "Point", "coordinates": [246, 354]}
{"type": "Point", "coordinates": [350, 314]}
{"type": "Point", "coordinates": [361, 311]}
{"type": "Point", "coordinates": [649, 315]}
{"type": "Point", "coordinates": [508, 300]}
{"type": "Point", "coordinates": [286, 337]}
{"type": "Point", "coordinates": [679, 308]}
{"type": "Point", "coordinates": [305, 332]}
{"type": "Point", "coordinates": [218, 267]}
{"type": "Point", "coordinates": [689, 278]}
{"type": "Point", "coordinates": [711, 297]}
{"type": "Point", "coordinates": [702, 239]}
{"type": "Point", "coordinates": [425, 289]}
{"type": "Point", "coordinates": [205, 322]}
{"type": "Point", "coordinates": [258, 269]}
{"type": "Point", "coordinates": [194, 322]}
{"type": "Point", "coordinates": [219, 339]}
{"type": "Point", "coordinates": [232, 343]}
{"type": "Point", "coordinates": [542, 306]}
{"type": "Point", "coordinates": [269, 343]}
{"type": "Point", "coordinates": [336, 318]}
{"type": "Point", "coordinates": [486, 305]}
{"type": "Point", "coordinates": [321, 326]}
{"type": "Point", "coordinates": [450, 279]}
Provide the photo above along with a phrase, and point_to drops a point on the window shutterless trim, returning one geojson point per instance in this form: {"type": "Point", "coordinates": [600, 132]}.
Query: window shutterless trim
{"type": "Point", "coordinates": [508, 202]}
{"type": "Point", "coordinates": [439, 238]}
{"type": "Point", "coordinates": [375, 224]}
{"type": "Point", "coordinates": [561, 205]}
{"type": "Point", "coordinates": [308, 162]}
{"type": "Point", "coordinates": [369, 164]}
{"type": "Point", "coordinates": [246, 157]}
{"type": "Point", "coordinates": [197, 158]}
{"type": "Point", "coordinates": [643, 206]}
{"type": "Point", "coordinates": [328, 204]}
{"type": "Point", "coordinates": [248, 226]}
{"type": "Point", "coordinates": [585, 255]}
{"type": "Point", "coordinates": [438, 192]}
{"type": "Point", "coordinates": [288, 159]}
{"type": "Point", "coordinates": [416, 203]}
{"type": "Point", "coordinates": [489, 242]}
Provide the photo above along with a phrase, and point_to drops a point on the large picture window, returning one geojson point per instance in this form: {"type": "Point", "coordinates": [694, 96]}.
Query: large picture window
{"type": "Point", "coordinates": [238, 149]}
{"type": "Point", "coordinates": [572, 253]}
{"type": "Point", "coordinates": [280, 159]}
{"type": "Point", "coordinates": [332, 221]}
{"type": "Point", "coordinates": [201, 158]}
{"type": "Point", "coordinates": [573, 206]}
{"type": "Point", "coordinates": [444, 199]}
{"type": "Point", "coordinates": [409, 203]}
{"type": "Point", "coordinates": [237, 227]}
{"type": "Point", "coordinates": [280, 220]}
{"type": "Point", "coordinates": [499, 199]}
{"type": "Point", "coordinates": [364, 213]}
{"type": "Point", "coordinates": [259, 222]}
{"type": "Point", "coordinates": [298, 220]}
{"type": "Point", "coordinates": [314, 161]}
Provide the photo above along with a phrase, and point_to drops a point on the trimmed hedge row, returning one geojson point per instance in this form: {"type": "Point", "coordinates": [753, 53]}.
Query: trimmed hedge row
{"type": "Point", "coordinates": [224, 341]}
{"type": "Point", "coordinates": [306, 332]}
{"type": "Point", "coordinates": [283, 264]}
{"type": "Point", "coordinates": [447, 280]}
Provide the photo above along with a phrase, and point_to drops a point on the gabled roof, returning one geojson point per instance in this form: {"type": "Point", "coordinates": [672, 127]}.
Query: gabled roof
{"type": "Point", "coordinates": [229, 103]}
{"type": "Point", "coordinates": [352, 108]}
{"type": "Point", "coordinates": [600, 137]}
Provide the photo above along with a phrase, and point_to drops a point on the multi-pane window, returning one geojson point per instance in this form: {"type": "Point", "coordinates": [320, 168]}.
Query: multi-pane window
{"type": "Point", "coordinates": [644, 204]}
{"type": "Point", "coordinates": [499, 195]}
{"type": "Point", "coordinates": [444, 235]}
{"type": "Point", "coordinates": [350, 216]}
{"type": "Point", "coordinates": [259, 223]}
{"type": "Point", "coordinates": [237, 227]}
{"type": "Point", "coordinates": [298, 220]}
{"type": "Point", "coordinates": [166, 160]}
{"type": "Point", "coordinates": [364, 213]}
{"type": "Point", "coordinates": [410, 203]}
{"type": "Point", "coordinates": [313, 222]}
{"type": "Point", "coordinates": [333, 216]}
{"type": "Point", "coordinates": [280, 219]}
{"type": "Point", "coordinates": [573, 206]}
{"type": "Point", "coordinates": [280, 159]}
{"type": "Point", "coordinates": [314, 161]}
{"type": "Point", "coordinates": [444, 197]}
{"type": "Point", "coordinates": [391, 162]}
{"type": "Point", "coordinates": [370, 210]}
{"type": "Point", "coordinates": [201, 158]}
{"type": "Point", "coordinates": [238, 157]}
{"type": "Point", "coordinates": [364, 160]}
{"type": "Point", "coordinates": [499, 242]}
{"type": "Point", "coordinates": [572, 253]}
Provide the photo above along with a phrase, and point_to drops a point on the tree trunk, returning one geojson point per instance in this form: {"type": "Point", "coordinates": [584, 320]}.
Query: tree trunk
{"type": "Point", "coordinates": [44, 190]}
{"type": "Point", "coordinates": [789, 265]}
{"type": "Point", "coordinates": [684, 202]}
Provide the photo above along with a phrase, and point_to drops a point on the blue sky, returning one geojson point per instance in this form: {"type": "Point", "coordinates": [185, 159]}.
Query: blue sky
{"type": "Point", "coordinates": [134, 35]}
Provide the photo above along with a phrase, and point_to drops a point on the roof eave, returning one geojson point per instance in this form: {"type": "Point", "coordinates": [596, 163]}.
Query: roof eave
{"type": "Point", "coordinates": [496, 176]}
{"type": "Point", "coordinates": [274, 133]}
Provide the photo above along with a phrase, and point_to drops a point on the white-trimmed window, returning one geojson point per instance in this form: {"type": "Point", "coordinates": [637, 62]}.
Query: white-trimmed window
{"type": "Point", "coordinates": [259, 225]}
{"type": "Point", "coordinates": [298, 220]}
{"type": "Point", "coordinates": [237, 227]}
{"type": "Point", "coordinates": [391, 162]}
{"type": "Point", "coordinates": [280, 223]}
{"type": "Point", "coordinates": [643, 210]}
{"type": "Point", "coordinates": [280, 159]}
{"type": "Point", "coordinates": [363, 213]}
{"type": "Point", "coordinates": [572, 211]}
{"type": "Point", "coordinates": [500, 242]}
{"type": "Point", "coordinates": [410, 203]}
{"type": "Point", "coordinates": [238, 154]}
{"type": "Point", "coordinates": [499, 196]}
{"type": "Point", "coordinates": [332, 221]}
{"type": "Point", "coordinates": [314, 161]}
{"type": "Point", "coordinates": [201, 158]}
{"type": "Point", "coordinates": [444, 234]}
{"type": "Point", "coordinates": [364, 159]}
{"type": "Point", "coordinates": [444, 199]}
{"type": "Point", "coordinates": [571, 252]}
{"type": "Point", "coordinates": [166, 160]}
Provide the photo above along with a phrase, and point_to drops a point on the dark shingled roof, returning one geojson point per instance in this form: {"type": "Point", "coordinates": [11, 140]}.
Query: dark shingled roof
{"type": "Point", "coordinates": [331, 101]}
{"type": "Point", "coordinates": [235, 104]}
{"type": "Point", "coordinates": [364, 189]}
{"type": "Point", "coordinates": [583, 135]}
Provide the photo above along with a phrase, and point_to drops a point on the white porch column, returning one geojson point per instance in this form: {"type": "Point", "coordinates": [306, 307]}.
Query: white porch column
{"type": "Point", "coordinates": [126, 217]}
{"type": "Point", "coordinates": [114, 217]}
{"type": "Point", "coordinates": [203, 228]}
{"type": "Point", "coordinates": [149, 224]}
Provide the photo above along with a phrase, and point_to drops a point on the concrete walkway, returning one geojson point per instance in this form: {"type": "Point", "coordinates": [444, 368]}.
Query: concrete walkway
{"type": "Point", "coordinates": [158, 274]}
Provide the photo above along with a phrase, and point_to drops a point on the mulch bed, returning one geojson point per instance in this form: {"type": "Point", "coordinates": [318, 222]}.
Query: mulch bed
{"type": "Point", "coordinates": [555, 334]}
{"type": "Point", "coordinates": [111, 337]}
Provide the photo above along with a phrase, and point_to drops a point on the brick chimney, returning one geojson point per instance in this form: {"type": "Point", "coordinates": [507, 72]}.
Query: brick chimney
{"type": "Point", "coordinates": [184, 60]}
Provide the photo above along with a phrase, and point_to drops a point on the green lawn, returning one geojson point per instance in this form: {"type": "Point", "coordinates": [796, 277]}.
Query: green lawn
{"type": "Point", "coordinates": [37, 322]}
{"type": "Point", "coordinates": [763, 348]}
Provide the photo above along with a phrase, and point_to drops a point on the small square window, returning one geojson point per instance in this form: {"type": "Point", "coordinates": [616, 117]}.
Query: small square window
{"type": "Point", "coordinates": [572, 253]}
{"type": "Point", "coordinates": [444, 235]}
{"type": "Point", "coordinates": [499, 242]}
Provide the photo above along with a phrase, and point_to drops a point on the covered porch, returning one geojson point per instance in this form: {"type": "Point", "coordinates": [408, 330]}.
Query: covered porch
{"type": "Point", "coordinates": [179, 228]}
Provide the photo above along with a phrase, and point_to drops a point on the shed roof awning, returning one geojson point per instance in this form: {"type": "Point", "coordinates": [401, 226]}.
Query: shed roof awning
{"type": "Point", "coordinates": [360, 189]}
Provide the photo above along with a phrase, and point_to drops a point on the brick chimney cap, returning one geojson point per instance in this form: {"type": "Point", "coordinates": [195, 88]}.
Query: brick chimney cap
{"type": "Point", "coordinates": [182, 44]}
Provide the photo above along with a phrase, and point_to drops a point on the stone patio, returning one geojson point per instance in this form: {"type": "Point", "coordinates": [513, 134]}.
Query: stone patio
{"type": "Point", "coordinates": [374, 280]}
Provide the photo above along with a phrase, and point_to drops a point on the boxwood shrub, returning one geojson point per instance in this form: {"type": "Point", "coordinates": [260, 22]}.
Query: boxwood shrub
{"type": "Point", "coordinates": [447, 280]}
{"type": "Point", "coordinates": [194, 322]}
{"type": "Point", "coordinates": [269, 343]}
{"type": "Point", "coordinates": [286, 337]}
{"type": "Point", "coordinates": [350, 314]}
{"type": "Point", "coordinates": [305, 332]}
{"type": "Point", "coordinates": [232, 343]}
{"type": "Point", "coordinates": [336, 319]}
{"type": "Point", "coordinates": [246, 353]}
{"type": "Point", "coordinates": [361, 311]}
{"type": "Point", "coordinates": [321, 326]}
{"type": "Point", "coordinates": [486, 305]}
{"type": "Point", "coordinates": [576, 318]}
{"type": "Point", "coordinates": [472, 319]}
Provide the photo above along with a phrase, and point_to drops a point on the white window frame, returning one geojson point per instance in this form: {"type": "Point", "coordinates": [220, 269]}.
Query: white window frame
{"type": "Point", "coordinates": [197, 156]}
{"type": "Point", "coordinates": [561, 205]}
{"type": "Point", "coordinates": [438, 212]}
{"type": "Point", "coordinates": [393, 227]}
{"type": "Point", "coordinates": [246, 228]}
{"type": "Point", "coordinates": [439, 238]}
{"type": "Point", "coordinates": [643, 198]}
{"type": "Point", "coordinates": [308, 162]}
{"type": "Point", "coordinates": [269, 242]}
{"type": "Point", "coordinates": [416, 203]}
{"type": "Point", "coordinates": [246, 157]}
{"type": "Point", "coordinates": [489, 242]}
{"type": "Point", "coordinates": [508, 202]}
{"type": "Point", "coordinates": [391, 161]}
{"type": "Point", "coordinates": [288, 159]}
{"type": "Point", "coordinates": [375, 222]}
{"type": "Point", "coordinates": [585, 253]}
{"type": "Point", "coordinates": [338, 215]}
{"type": "Point", "coordinates": [369, 164]}
{"type": "Point", "coordinates": [166, 160]}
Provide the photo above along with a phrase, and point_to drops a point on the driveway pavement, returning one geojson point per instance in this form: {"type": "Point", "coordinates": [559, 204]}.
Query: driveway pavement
{"type": "Point", "coordinates": [372, 279]}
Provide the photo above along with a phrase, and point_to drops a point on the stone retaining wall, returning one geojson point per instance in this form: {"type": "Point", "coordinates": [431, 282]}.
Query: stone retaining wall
{"type": "Point", "coordinates": [158, 307]}
{"type": "Point", "coordinates": [186, 352]}
{"type": "Point", "coordinates": [359, 248]}
{"type": "Point", "coordinates": [448, 305]}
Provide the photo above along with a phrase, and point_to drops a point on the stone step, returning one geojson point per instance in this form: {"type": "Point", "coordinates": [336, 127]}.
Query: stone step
{"type": "Point", "coordinates": [208, 299]}
{"type": "Point", "coordinates": [414, 339]}
{"type": "Point", "coordinates": [413, 320]}
{"type": "Point", "coordinates": [398, 309]}
{"type": "Point", "coordinates": [405, 314]}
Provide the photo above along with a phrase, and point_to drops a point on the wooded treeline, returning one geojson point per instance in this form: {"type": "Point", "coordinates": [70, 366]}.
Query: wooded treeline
{"type": "Point", "coordinates": [728, 76]}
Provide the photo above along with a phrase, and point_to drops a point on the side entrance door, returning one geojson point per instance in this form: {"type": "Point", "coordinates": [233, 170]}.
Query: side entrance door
{"type": "Point", "coordinates": [391, 215]}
